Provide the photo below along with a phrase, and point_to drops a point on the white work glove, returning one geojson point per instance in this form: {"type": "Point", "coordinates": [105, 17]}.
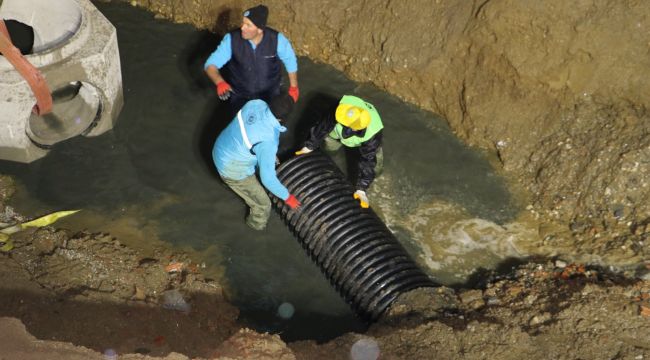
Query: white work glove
{"type": "Point", "coordinates": [304, 150]}
{"type": "Point", "coordinates": [362, 197]}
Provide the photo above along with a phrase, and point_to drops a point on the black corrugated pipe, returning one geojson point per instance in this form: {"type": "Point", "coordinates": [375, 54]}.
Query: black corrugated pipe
{"type": "Point", "coordinates": [352, 246]}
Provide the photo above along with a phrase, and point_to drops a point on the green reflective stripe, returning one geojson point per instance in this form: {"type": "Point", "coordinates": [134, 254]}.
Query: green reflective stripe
{"type": "Point", "coordinates": [355, 141]}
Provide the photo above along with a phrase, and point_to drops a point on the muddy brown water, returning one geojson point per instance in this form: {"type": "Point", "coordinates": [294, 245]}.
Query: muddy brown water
{"type": "Point", "coordinates": [152, 178]}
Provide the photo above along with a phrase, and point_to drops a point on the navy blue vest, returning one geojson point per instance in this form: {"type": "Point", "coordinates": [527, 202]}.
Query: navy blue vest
{"type": "Point", "coordinates": [254, 73]}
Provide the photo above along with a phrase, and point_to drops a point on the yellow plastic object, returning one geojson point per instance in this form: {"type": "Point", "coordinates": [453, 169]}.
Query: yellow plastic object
{"type": "Point", "coordinates": [303, 151]}
{"type": "Point", "coordinates": [364, 204]}
{"type": "Point", "coordinates": [40, 222]}
{"type": "Point", "coordinates": [5, 243]}
{"type": "Point", "coordinates": [352, 116]}
{"type": "Point", "coordinates": [48, 219]}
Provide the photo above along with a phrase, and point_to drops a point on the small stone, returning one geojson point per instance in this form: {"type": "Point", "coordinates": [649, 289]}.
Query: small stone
{"type": "Point", "coordinates": [493, 301]}
{"type": "Point", "coordinates": [644, 310]}
{"type": "Point", "coordinates": [138, 294]}
{"type": "Point", "coordinates": [514, 291]}
{"type": "Point", "coordinates": [470, 296]}
{"type": "Point", "coordinates": [175, 267]}
{"type": "Point", "coordinates": [530, 299]}
{"type": "Point", "coordinates": [619, 212]}
{"type": "Point", "coordinates": [540, 319]}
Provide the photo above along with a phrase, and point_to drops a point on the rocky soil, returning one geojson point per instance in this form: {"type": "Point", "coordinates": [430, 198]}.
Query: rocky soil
{"type": "Point", "coordinates": [80, 295]}
{"type": "Point", "coordinates": [89, 289]}
{"type": "Point", "coordinates": [540, 311]}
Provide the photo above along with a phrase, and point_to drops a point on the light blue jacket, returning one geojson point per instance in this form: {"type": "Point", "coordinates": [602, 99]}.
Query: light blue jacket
{"type": "Point", "coordinates": [235, 161]}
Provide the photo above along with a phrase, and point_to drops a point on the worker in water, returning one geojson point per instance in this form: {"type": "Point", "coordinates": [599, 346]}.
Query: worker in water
{"type": "Point", "coordinates": [251, 141]}
{"type": "Point", "coordinates": [354, 123]}
{"type": "Point", "coordinates": [251, 57]}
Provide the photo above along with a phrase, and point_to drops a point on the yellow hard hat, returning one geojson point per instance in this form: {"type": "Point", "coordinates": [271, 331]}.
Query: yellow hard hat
{"type": "Point", "coordinates": [352, 116]}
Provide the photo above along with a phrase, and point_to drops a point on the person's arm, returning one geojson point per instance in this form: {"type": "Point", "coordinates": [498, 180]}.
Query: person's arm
{"type": "Point", "coordinates": [288, 57]}
{"type": "Point", "coordinates": [218, 59]}
{"type": "Point", "coordinates": [214, 74]}
{"type": "Point", "coordinates": [265, 152]}
{"type": "Point", "coordinates": [293, 79]}
{"type": "Point", "coordinates": [318, 133]}
{"type": "Point", "coordinates": [368, 160]}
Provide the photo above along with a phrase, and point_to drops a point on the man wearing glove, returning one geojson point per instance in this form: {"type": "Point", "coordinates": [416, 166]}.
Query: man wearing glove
{"type": "Point", "coordinates": [251, 57]}
{"type": "Point", "coordinates": [249, 141]}
{"type": "Point", "coordinates": [355, 124]}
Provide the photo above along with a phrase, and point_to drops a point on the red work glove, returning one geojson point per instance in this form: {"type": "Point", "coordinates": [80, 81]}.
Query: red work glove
{"type": "Point", "coordinates": [223, 90]}
{"type": "Point", "coordinates": [294, 93]}
{"type": "Point", "coordinates": [292, 202]}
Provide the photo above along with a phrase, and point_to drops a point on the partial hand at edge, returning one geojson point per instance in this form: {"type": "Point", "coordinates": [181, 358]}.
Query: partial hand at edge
{"type": "Point", "coordinates": [292, 202]}
{"type": "Point", "coordinates": [294, 92]}
{"type": "Point", "coordinates": [303, 151]}
{"type": "Point", "coordinates": [223, 90]}
{"type": "Point", "coordinates": [362, 197]}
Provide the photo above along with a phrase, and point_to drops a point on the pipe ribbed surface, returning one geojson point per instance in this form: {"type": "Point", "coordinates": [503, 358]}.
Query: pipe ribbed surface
{"type": "Point", "coordinates": [352, 246]}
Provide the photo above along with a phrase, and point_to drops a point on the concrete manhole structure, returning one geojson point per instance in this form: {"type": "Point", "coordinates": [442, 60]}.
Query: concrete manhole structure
{"type": "Point", "coordinates": [75, 49]}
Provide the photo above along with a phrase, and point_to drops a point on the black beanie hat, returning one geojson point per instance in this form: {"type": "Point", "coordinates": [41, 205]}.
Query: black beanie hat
{"type": "Point", "coordinates": [258, 15]}
{"type": "Point", "coordinates": [281, 106]}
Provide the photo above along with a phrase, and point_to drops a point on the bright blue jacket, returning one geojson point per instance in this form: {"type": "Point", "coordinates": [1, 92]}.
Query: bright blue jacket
{"type": "Point", "coordinates": [235, 161]}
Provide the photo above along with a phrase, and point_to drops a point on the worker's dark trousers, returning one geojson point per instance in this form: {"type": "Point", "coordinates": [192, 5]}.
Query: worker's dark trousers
{"type": "Point", "coordinates": [333, 145]}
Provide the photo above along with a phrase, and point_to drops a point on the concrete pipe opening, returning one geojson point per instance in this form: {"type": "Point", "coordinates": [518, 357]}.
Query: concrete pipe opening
{"type": "Point", "coordinates": [77, 108]}
{"type": "Point", "coordinates": [53, 27]}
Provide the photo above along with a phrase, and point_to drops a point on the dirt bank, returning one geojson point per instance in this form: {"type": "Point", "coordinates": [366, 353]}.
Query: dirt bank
{"type": "Point", "coordinates": [555, 90]}
{"type": "Point", "coordinates": [540, 311]}
{"type": "Point", "coordinates": [91, 290]}
{"type": "Point", "coordinates": [80, 295]}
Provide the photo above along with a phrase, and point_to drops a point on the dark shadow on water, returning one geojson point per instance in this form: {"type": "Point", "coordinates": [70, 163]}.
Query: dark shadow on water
{"type": "Point", "coordinates": [216, 114]}
{"type": "Point", "coordinates": [305, 326]}
{"type": "Point", "coordinates": [196, 50]}
{"type": "Point", "coordinates": [313, 106]}
{"type": "Point", "coordinates": [65, 180]}
{"type": "Point", "coordinates": [215, 117]}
